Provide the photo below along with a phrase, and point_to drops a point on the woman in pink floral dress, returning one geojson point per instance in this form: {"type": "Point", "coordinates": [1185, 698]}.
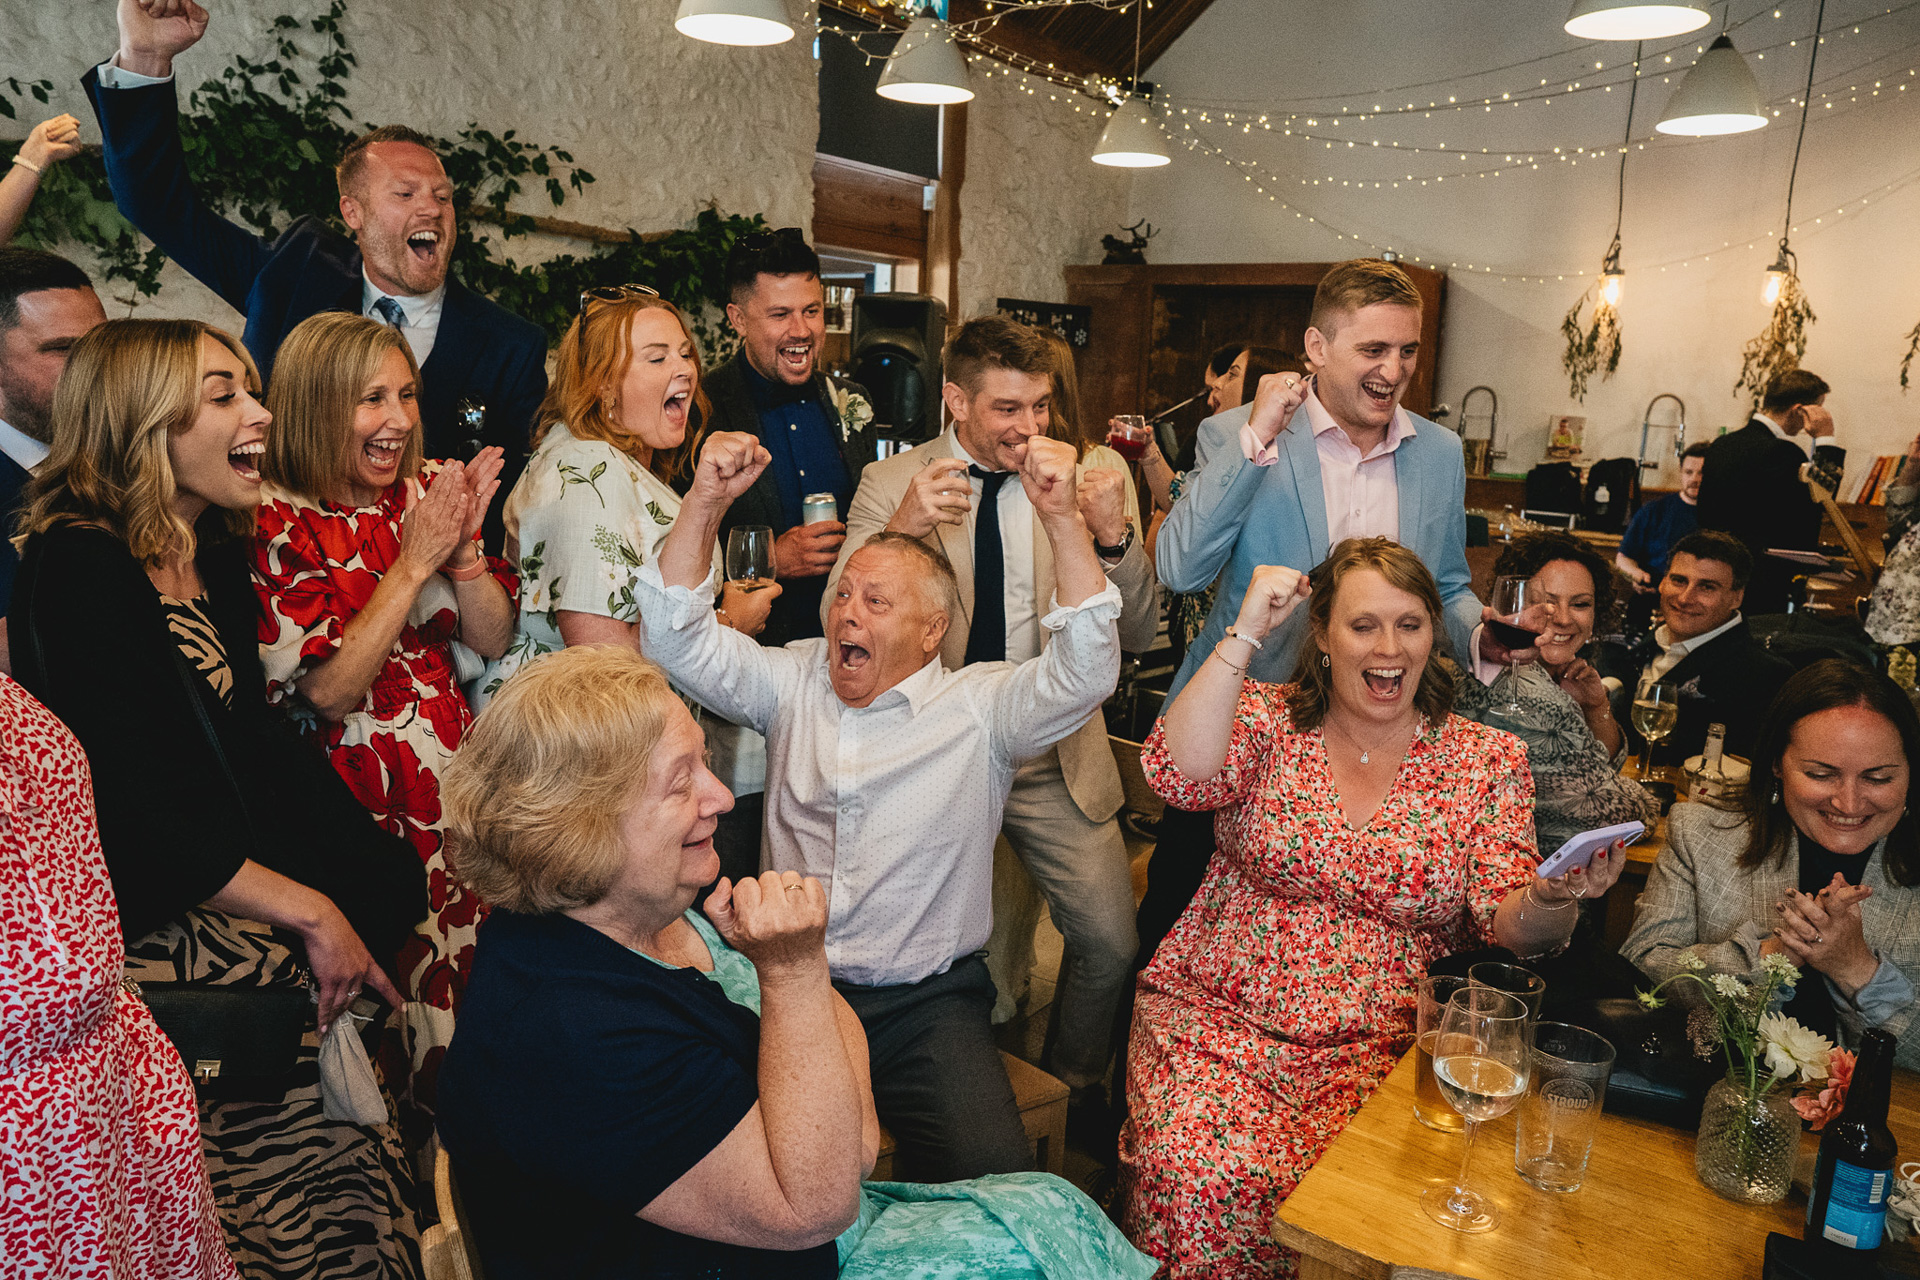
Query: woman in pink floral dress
{"type": "Point", "coordinates": [376, 604]}
{"type": "Point", "coordinates": [1364, 831]}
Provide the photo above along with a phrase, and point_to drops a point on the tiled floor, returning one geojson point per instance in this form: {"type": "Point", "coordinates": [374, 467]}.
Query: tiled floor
{"type": "Point", "coordinates": [1024, 1034]}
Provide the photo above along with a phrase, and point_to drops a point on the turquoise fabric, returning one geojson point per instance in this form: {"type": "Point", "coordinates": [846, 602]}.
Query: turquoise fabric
{"type": "Point", "coordinates": [1010, 1226]}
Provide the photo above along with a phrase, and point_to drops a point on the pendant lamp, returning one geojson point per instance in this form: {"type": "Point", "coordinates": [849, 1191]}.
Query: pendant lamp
{"type": "Point", "coordinates": [1719, 95]}
{"type": "Point", "coordinates": [926, 66]}
{"type": "Point", "coordinates": [1131, 139]}
{"type": "Point", "coordinates": [739, 22]}
{"type": "Point", "coordinates": [1635, 19]}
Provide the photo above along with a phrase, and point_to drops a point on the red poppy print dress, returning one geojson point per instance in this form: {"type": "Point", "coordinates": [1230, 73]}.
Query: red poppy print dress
{"type": "Point", "coordinates": [1286, 991]}
{"type": "Point", "coordinates": [99, 1129]}
{"type": "Point", "coordinates": [315, 566]}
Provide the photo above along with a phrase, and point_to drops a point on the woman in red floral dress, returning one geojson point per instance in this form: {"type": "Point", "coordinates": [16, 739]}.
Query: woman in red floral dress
{"type": "Point", "coordinates": [1364, 831]}
{"type": "Point", "coordinates": [376, 605]}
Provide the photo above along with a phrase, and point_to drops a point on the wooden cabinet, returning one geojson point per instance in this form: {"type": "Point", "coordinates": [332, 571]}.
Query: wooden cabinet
{"type": "Point", "coordinates": [1154, 327]}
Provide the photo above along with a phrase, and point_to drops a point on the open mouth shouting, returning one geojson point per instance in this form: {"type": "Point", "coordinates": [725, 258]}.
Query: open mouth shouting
{"type": "Point", "coordinates": [1384, 682]}
{"type": "Point", "coordinates": [796, 358]}
{"type": "Point", "coordinates": [245, 460]}
{"type": "Point", "coordinates": [1378, 393]}
{"type": "Point", "coordinates": [679, 398]}
{"type": "Point", "coordinates": [424, 245]}
{"type": "Point", "coordinates": [852, 657]}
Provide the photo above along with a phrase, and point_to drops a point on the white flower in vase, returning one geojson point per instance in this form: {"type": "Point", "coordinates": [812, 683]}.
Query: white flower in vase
{"type": "Point", "coordinates": [1792, 1049]}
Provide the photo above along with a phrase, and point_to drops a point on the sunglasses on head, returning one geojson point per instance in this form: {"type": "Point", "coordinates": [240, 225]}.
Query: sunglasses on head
{"type": "Point", "coordinates": [615, 293]}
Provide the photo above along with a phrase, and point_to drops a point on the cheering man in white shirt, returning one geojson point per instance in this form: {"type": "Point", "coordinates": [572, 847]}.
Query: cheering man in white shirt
{"type": "Point", "coordinates": [887, 775]}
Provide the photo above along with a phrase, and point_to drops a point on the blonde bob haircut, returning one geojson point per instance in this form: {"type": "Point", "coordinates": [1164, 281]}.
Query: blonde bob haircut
{"type": "Point", "coordinates": [1313, 680]}
{"type": "Point", "coordinates": [323, 369]}
{"type": "Point", "coordinates": [129, 386]}
{"type": "Point", "coordinates": [591, 364]}
{"type": "Point", "coordinates": [534, 796]}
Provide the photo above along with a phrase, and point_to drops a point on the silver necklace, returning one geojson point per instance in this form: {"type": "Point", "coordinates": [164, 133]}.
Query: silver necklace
{"type": "Point", "coordinates": [1366, 752]}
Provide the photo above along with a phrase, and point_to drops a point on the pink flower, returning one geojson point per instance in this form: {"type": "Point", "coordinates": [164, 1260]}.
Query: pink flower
{"type": "Point", "coordinates": [1816, 1108]}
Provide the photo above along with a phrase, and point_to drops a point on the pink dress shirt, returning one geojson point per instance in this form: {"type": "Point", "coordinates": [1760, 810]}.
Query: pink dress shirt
{"type": "Point", "coordinates": [1362, 493]}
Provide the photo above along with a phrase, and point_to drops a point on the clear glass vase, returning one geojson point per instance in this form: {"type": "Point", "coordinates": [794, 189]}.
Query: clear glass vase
{"type": "Point", "coordinates": [1747, 1143]}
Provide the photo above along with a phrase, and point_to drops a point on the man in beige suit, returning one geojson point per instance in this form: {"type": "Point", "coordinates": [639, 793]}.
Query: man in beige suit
{"type": "Point", "coordinates": [1060, 817]}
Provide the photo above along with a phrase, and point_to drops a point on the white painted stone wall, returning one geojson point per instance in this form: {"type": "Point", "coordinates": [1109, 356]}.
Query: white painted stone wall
{"type": "Point", "coordinates": [1033, 201]}
{"type": "Point", "coordinates": [1684, 326]}
{"type": "Point", "coordinates": [665, 124]}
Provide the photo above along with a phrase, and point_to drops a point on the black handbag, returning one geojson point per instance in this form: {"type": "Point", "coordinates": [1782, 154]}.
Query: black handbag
{"type": "Point", "coordinates": [236, 1041]}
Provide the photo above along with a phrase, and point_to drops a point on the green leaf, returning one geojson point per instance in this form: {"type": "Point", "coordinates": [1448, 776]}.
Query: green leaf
{"type": "Point", "coordinates": [305, 148]}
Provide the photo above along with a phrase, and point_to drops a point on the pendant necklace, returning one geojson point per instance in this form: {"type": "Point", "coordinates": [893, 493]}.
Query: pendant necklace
{"type": "Point", "coordinates": [1366, 752]}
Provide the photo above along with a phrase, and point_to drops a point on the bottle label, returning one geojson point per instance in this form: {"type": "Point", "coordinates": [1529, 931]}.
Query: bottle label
{"type": "Point", "coordinates": [1856, 1207]}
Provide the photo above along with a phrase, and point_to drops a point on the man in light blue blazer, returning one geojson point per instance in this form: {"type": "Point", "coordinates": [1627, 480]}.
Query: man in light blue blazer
{"type": "Point", "coordinates": [1307, 463]}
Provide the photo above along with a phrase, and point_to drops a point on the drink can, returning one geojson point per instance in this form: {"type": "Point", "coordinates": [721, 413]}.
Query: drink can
{"type": "Point", "coordinates": [816, 507]}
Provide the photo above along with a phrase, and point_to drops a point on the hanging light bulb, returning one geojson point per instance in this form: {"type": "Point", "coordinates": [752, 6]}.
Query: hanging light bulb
{"type": "Point", "coordinates": [1776, 278]}
{"type": "Point", "coordinates": [739, 22]}
{"type": "Point", "coordinates": [926, 66]}
{"type": "Point", "coordinates": [1132, 140]}
{"type": "Point", "coordinates": [1719, 95]}
{"type": "Point", "coordinates": [1612, 281]}
{"type": "Point", "coordinates": [1628, 20]}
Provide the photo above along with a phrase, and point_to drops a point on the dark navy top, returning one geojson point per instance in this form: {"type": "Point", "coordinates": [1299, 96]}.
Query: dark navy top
{"type": "Point", "coordinates": [799, 435]}
{"type": "Point", "coordinates": [1650, 536]}
{"type": "Point", "coordinates": [582, 1081]}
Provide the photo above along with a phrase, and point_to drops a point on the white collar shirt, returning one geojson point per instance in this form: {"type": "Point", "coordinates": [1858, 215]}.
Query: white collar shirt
{"type": "Point", "coordinates": [1016, 554]}
{"type": "Point", "coordinates": [894, 806]}
{"type": "Point", "coordinates": [1673, 652]}
{"type": "Point", "coordinates": [422, 314]}
{"type": "Point", "coordinates": [21, 447]}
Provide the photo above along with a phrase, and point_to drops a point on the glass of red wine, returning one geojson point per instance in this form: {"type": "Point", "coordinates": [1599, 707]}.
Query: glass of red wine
{"type": "Point", "coordinates": [1129, 435]}
{"type": "Point", "coordinates": [1511, 598]}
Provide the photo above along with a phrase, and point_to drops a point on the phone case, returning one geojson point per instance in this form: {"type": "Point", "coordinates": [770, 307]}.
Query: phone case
{"type": "Point", "coordinates": [1579, 850]}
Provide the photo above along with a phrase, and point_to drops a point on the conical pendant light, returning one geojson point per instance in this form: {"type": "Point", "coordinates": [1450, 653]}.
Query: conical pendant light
{"type": "Point", "coordinates": [741, 22]}
{"type": "Point", "coordinates": [926, 66]}
{"type": "Point", "coordinates": [1132, 140]}
{"type": "Point", "coordinates": [1719, 95]}
{"type": "Point", "coordinates": [1635, 19]}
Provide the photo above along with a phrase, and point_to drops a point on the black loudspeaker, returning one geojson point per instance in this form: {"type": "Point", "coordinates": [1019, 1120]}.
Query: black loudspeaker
{"type": "Point", "coordinates": [896, 356]}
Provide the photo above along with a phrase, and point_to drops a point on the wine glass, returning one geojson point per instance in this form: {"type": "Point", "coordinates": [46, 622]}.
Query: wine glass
{"type": "Point", "coordinates": [750, 556]}
{"type": "Point", "coordinates": [1656, 711]}
{"type": "Point", "coordinates": [1481, 1062]}
{"type": "Point", "coordinates": [1128, 435]}
{"type": "Point", "coordinates": [1512, 598]}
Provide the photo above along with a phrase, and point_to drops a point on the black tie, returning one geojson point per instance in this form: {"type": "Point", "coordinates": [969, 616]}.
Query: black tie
{"type": "Point", "coordinates": [987, 637]}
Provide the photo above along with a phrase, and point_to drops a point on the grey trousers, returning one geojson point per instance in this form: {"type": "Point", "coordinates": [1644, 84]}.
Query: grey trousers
{"type": "Point", "coordinates": [1081, 868]}
{"type": "Point", "coordinates": [938, 1082]}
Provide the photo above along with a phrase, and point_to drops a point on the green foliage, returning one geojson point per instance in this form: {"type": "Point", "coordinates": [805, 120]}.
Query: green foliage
{"type": "Point", "coordinates": [1906, 361]}
{"type": "Point", "coordinates": [261, 141]}
{"type": "Point", "coordinates": [1594, 348]}
{"type": "Point", "coordinates": [1780, 346]}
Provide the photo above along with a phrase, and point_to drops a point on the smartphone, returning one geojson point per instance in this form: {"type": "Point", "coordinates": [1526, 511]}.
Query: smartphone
{"type": "Point", "coordinates": [1579, 850]}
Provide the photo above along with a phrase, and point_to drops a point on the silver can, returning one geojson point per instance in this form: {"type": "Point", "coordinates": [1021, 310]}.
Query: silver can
{"type": "Point", "coordinates": [816, 507]}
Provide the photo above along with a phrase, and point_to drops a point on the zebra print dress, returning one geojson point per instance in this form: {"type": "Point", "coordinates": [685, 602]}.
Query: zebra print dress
{"type": "Point", "coordinates": [300, 1197]}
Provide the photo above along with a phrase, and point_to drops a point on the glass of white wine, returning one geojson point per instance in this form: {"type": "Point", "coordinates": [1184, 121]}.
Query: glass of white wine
{"type": "Point", "coordinates": [1656, 710]}
{"type": "Point", "coordinates": [1481, 1061]}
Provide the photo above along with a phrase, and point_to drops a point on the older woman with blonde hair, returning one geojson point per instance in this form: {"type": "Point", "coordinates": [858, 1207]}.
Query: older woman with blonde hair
{"type": "Point", "coordinates": [1364, 832]}
{"type": "Point", "coordinates": [639, 1089]}
{"type": "Point", "coordinates": [378, 603]}
{"type": "Point", "coordinates": [236, 856]}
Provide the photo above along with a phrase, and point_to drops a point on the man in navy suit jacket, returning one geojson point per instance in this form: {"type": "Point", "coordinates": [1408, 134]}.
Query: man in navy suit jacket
{"type": "Point", "coordinates": [397, 200]}
{"type": "Point", "coordinates": [46, 303]}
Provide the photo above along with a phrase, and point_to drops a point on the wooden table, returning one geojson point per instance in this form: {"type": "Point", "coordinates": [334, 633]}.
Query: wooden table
{"type": "Point", "coordinates": [1642, 1212]}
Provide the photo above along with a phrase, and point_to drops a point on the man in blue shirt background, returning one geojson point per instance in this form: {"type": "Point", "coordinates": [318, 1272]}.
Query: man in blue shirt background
{"type": "Point", "coordinates": [1648, 542]}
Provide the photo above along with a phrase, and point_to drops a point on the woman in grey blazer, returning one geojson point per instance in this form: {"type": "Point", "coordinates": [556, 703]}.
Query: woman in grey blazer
{"type": "Point", "coordinates": [1820, 863]}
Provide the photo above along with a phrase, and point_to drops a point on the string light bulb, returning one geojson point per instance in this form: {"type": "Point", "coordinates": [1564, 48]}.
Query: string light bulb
{"type": "Point", "coordinates": [735, 22]}
{"type": "Point", "coordinates": [1776, 278]}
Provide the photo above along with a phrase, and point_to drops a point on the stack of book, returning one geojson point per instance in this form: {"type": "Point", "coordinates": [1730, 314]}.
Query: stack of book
{"type": "Point", "coordinates": [1881, 476]}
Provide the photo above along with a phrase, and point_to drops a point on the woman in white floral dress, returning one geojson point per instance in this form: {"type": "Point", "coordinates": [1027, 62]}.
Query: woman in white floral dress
{"type": "Point", "coordinates": [594, 504]}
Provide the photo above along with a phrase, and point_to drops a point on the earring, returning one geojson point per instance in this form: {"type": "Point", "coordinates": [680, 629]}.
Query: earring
{"type": "Point", "coordinates": [1326, 660]}
{"type": "Point", "coordinates": [1776, 794]}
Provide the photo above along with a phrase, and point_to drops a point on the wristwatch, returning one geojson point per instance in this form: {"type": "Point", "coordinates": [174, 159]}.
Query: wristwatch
{"type": "Point", "coordinates": [1115, 552]}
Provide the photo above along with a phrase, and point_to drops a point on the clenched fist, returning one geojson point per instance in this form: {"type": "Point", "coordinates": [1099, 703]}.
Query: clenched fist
{"type": "Point", "coordinates": [1047, 474]}
{"type": "Point", "coordinates": [778, 921]}
{"type": "Point", "coordinates": [1274, 403]}
{"type": "Point", "coordinates": [1273, 594]}
{"type": "Point", "coordinates": [730, 461]}
{"type": "Point", "coordinates": [1103, 504]}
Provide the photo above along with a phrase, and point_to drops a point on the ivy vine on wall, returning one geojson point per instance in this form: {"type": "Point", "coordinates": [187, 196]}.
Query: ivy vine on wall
{"type": "Point", "coordinates": [261, 140]}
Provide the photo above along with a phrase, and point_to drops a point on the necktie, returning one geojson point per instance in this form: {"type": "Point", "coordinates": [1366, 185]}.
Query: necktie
{"type": "Point", "coordinates": [389, 310]}
{"type": "Point", "coordinates": [987, 637]}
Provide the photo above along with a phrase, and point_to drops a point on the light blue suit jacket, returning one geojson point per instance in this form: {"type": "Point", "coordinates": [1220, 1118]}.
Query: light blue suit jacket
{"type": "Point", "coordinates": [1233, 517]}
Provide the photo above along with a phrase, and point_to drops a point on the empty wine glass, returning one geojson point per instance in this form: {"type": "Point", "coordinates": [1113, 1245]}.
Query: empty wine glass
{"type": "Point", "coordinates": [750, 556]}
{"type": "Point", "coordinates": [1656, 711]}
{"type": "Point", "coordinates": [1512, 602]}
{"type": "Point", "coordinates": [1481, 1062]}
